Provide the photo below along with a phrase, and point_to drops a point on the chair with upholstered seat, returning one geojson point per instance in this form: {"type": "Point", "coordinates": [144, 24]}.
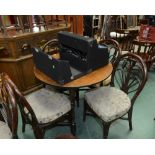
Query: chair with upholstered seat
{"type": "Point", "coordinates": [111, 103]}
{"type": "Point", "coordinates": [8, 112]}
{"type": "Point", "coordinates": [44, 109]}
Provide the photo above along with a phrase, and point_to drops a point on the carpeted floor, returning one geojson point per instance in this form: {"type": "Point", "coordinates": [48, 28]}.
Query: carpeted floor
{"type": "Point", "coordinates": [143, 123]}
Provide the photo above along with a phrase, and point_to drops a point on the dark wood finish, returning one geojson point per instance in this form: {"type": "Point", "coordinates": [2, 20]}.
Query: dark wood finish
{"type": "Point", "coordinates": [51, 47]}
{"type": "Point", "coordinates": [126, 39]}
{"type": "Point", "coordinates": [129, 75]}
{"type": "Point", "coordinates": [66, 136]}
{"type": "Point", "coordinates": [9, 106]}
{"type": "Point", "coordinates": [113, 48]}
{"type": "Point", "coordinates": [89, 79]}
{"type": "Point", "coordinates": [76, 23]}
{"type": "Point", "coordinates": [146, 50]}
{"type": "Point", "coordinates": [29, 117]}
{"type": "Point", "coordinates": [19, 61]}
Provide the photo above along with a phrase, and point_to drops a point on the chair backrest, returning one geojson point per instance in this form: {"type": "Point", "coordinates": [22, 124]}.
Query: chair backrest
{"type": "Point", "coordinates": [25, 108]}
{"type": "Point", "coordinates": [9, 106]}
{"type": "Point", "coordinates": [51, 47]}
{"type": "Point", "coordinates": [130, 75]}
{"type": "Point", "coordinates": [113, 48]}
{"type": "Point", "coordinates": [125, 38]}
{"type": "Point", "coordinates": [144, 49]}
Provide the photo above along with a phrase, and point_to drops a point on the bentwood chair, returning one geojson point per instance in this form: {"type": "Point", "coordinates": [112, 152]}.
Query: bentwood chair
{"type": "Point", "coordinates": [8, 111]}
{"type": "Point", "coordinates": [44, 109]}
{"type": "Point", "coordinates": [125, 38]}
{"type": "Point", "coordinates": [145, 50]}
{"type": "Point", "coordinates": [113, 48]}
{"type": "Point", "coordinates": [51, 47]}
{"type": "Point", "coordinates": [111, 103]}
{"type": "Point", "coordinates": [114, 52]}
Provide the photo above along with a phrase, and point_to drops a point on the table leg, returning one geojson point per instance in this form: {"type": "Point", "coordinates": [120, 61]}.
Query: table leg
{"type": "Point", "coordinates": [72, 95]}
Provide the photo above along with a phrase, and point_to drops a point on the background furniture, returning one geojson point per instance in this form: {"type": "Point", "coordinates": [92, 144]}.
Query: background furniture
{"type": "Point", "coordinates": [92, 23]}
{"type": "Point", "coordinates": [125, 38]}
{"type": "Point", "coordinates": [16, 58]}
{"type": "Point", "coordinates": [145, 49]}
{"type": "Point", "coordinates": [8, 109]}
{"type": "Point", "coordinates": [111, 103]}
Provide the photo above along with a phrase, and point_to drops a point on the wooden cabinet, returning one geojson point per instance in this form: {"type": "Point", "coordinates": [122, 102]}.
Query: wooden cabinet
{"type": "Point", "coordinates": [16, 58]}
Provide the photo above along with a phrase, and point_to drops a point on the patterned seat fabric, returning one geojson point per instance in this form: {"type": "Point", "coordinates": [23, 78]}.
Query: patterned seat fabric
{"type": "Point", "coordinates": [108, 103]}
{"type": "Point", "coordinates": [5, 132]}
{"type": "Point", "coordinates": [48, 105]}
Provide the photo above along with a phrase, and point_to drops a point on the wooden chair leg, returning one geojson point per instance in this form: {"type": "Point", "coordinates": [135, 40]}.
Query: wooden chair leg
{"type": "Point", "coordinates": [44, 85]}
{"type": "Point", "coordinates": [23, 124]}
{"type": "Point", "coordinates": [73, 128]}
{"type": "Point", "coordinates": [130, 119]}
{"type": "Point", "coordinates": [106, 127]}
{"type": "Point", "coordinates": [39, 133]}
{"type": "Point", "coordinates": [72, 123]}
{"type": "Point", "coordinates": [84, 110]}
{"type": "Point", "coordinates": [77, 97]}
{"type": "Point", "coordinates": [23, 127]}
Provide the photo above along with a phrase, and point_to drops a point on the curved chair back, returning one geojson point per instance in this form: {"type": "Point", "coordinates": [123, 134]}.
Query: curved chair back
{"type": "Point", "coordinates": [125, 38]}
{"type": "Point", "coordinates": [130, 75]}
{"type": "Point", "coordinates": [51, 47]}
{"type": "Point", "coordinates": [145, 50]}
{"type": "Point", "coordinates": [113, 48]}
{"type": "Point", "coordinates": [26, 110]}
{"type": "Point", "coordinates": [9, 106]}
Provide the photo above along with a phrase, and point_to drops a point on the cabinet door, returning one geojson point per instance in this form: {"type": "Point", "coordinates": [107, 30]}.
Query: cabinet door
{"type": "Point", "coordinates": [29, 79]}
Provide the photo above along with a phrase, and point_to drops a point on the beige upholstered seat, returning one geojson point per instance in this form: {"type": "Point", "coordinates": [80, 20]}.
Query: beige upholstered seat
{"type": "Point", "coordinates": [5, 132]}
{"type": "Point", "coordinates": [48, 105]}
{"type": "Point", "coordinates": [43, 109]}
{"type": "Point", "coordinates": [103, 99]}
{"type": "Point", "coordinates": [116, 101]}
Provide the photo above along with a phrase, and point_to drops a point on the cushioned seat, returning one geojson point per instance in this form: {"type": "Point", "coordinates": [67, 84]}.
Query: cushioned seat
{"type": "Point", "coordinates": [42, 109]}
{"type": "Point", "coordinates": [103, 99]}
{"type": "Point", "coordinates": [111, 103]}
{"type": "Point", "coordinates": [5, 132]}
{"type": "Point", "coordinates": [48, 105]}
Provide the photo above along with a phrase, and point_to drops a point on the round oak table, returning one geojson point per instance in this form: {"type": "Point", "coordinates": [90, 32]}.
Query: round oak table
{"type": "Point", "coordinates": [89, 79]}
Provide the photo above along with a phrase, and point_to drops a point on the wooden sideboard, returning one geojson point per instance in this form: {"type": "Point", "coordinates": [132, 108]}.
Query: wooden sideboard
{"type": "Point", "coordinates": [16, 58]}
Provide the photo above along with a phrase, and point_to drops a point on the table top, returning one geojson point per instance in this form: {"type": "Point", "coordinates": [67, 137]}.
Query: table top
{"type": "Point", "coordinates": [89, 79]}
